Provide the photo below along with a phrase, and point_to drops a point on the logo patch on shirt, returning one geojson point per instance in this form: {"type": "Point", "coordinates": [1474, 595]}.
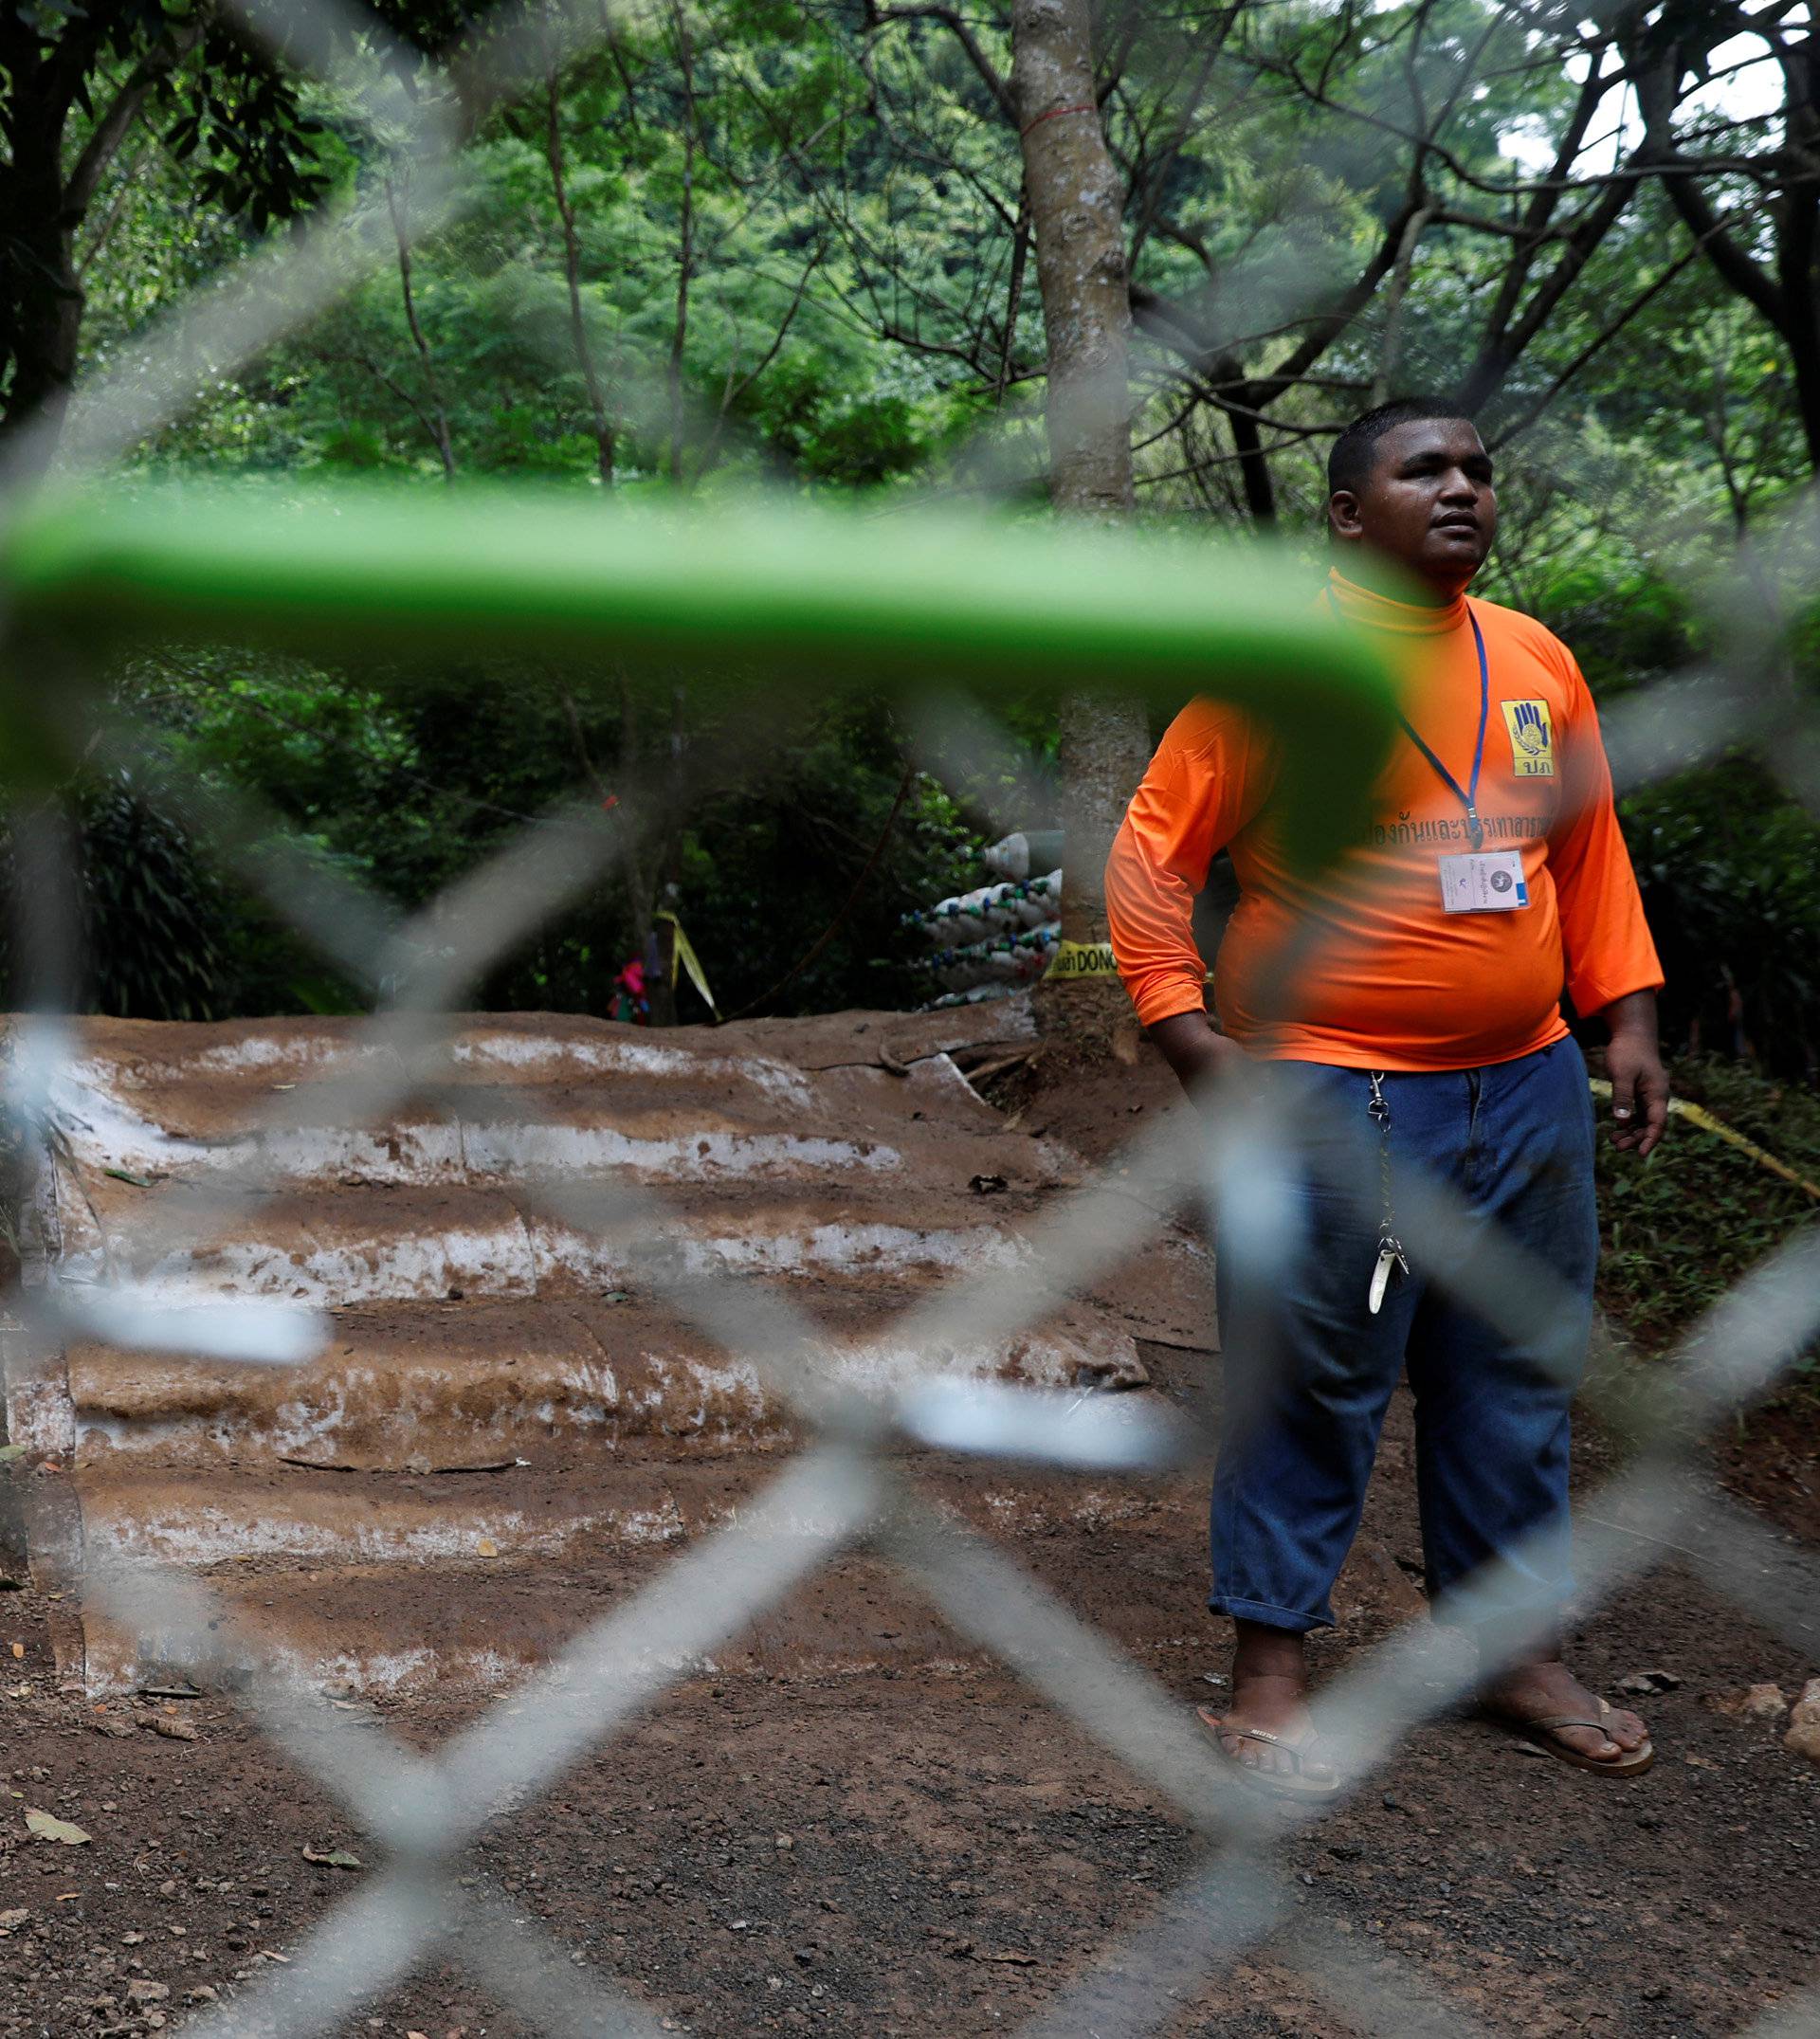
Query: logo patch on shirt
{"type": "Point", "coordinates": [1531, 738]}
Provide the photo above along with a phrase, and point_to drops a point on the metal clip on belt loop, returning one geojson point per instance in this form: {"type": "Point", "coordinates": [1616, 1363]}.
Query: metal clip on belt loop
{"type": "Point", "coordinates": [1392, 1264]}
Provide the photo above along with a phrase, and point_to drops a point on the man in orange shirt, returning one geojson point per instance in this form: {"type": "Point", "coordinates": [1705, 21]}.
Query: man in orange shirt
{"type": "Point", "coordinates": [1423, 1027]}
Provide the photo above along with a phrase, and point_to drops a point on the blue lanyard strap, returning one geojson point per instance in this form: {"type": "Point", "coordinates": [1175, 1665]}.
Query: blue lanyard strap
{"type": "Point", "coordinates": [1469, 794]}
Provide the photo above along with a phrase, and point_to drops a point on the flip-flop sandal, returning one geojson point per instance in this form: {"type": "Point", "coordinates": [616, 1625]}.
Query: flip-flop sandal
{"type": "Point", "coordinates": [1286, 1784]}
{"type": "Point", "coordinates": [1541, 1734]}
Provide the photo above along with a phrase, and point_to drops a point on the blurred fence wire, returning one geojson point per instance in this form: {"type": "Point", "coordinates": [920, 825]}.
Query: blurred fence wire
{"type": "Point", "coordinates": [777, 593]}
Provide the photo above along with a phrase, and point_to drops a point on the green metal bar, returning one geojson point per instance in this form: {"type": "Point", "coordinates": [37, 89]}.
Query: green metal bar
{"type": "Point", "coordinates": [802, 596]}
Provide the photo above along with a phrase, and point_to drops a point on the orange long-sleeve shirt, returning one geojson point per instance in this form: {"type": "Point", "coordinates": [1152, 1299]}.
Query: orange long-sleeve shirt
{"type": "Point", "coordinates": [1391, 981]}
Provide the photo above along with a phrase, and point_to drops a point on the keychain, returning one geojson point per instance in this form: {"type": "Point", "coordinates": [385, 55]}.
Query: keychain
{"type": "Point", "coordinates": [1393, 1264]}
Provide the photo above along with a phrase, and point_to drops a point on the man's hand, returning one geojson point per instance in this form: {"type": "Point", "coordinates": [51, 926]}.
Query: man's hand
{"type": "Point", "coordinates": [1639, 1082]}
{"type": "Point", "coordinates": [1200, 1056]}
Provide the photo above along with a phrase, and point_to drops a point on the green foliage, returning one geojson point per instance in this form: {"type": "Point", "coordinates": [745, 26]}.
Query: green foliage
{"type": "Point", "coordinates": [208, 90]}
{"type": "Point", "coordinates": [153, 924]}
{"type": "Point", "coordinates": [801, 258]}
{"type": "Point", "coordinates": [403, 789]}
{"type": "Point", "coordinates": [1730, 871]}
{"type": "Point", "coordinates": [1728, 860]}
{"type": "Point", "coordinates": [1681, 1228]}
{"type": "Point", "coordinates": [152, 920]}
{"type": "Point", "coordinates": [767, 871]}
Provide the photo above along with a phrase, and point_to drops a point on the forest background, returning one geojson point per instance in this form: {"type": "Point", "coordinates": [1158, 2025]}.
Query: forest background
{"type": "Point", "coordinates": [769, 242]}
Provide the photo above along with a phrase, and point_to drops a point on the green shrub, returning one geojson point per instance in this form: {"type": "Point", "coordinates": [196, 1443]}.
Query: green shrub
{"type": "Point", "coordinates": [1683, 1228]}
{"type": "Point", "coordinates": [151, 918]}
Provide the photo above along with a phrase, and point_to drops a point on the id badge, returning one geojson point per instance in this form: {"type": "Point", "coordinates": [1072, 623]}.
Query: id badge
{"type": "Point", "coordinates": [1485, 880]}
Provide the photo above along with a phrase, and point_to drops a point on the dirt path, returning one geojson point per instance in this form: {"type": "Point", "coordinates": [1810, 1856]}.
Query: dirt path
{"type": "Point", "coordinates": [922, 1847]}
{"type": "Point", "coordinates": [886, 1833]}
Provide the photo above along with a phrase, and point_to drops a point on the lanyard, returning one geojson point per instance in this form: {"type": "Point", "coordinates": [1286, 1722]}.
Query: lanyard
{"type": "Point", "coordinates": [1469, 794]}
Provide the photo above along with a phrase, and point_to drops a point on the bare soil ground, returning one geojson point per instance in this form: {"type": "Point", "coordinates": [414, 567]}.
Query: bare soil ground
{"type": "Point", "coordinates": [918, 1845]}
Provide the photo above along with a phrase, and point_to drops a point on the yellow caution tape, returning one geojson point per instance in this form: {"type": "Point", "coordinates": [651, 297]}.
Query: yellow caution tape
{"type": "Point", "coordinates": [684, 951]}
{"type": "Point", "coordinates": [1081, 959]}
{"type": "Point", "coordinates": [1698, 1115]}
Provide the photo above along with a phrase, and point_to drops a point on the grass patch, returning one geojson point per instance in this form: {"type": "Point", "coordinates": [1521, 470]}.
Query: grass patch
{"type": "Point", "coordinates": [1682, 1228]}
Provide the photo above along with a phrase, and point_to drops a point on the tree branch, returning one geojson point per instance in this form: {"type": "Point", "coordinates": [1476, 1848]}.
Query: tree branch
{"type": "Point", "coordinates": [114, 123]}
{"type": "Point", "coordinates": [962, 32]}
{"type": "Point", "coordinates": [437, 422]}
{"type": "Point", "coordinates": [1593, 347]}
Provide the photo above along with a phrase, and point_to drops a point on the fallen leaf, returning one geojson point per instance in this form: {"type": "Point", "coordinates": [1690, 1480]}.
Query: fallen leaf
{"type": "Point", "coordinates": [47, 1827]}
{"type": "Point", "coordinates": [18, 1649]}
{"type": "Point", "coordinates": [67, 1897]}
{"type": "Point", "coordinates": [487, 1548]}
{"type": "Point", "coordinates": [335, 1857]}
{"type": "Point", "coordinates": [126, 1174]}
{"type": "Point", "coordinates": [171, 1727]}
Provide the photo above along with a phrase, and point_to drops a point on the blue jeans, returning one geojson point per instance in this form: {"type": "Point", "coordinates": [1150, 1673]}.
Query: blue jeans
{"type": "Point", "coordinates": [1308, 1383]}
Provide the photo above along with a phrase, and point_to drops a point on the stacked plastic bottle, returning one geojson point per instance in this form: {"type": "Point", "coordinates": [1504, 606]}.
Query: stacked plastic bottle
{"type": "Point", "coordinates": [990, 940]}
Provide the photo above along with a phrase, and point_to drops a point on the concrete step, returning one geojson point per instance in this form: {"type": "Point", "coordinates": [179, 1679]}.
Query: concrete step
{"type": "Point", "coordinates": [697, 1116]}
{"type": "Point", "coordinates": [483, 1382]}
{"type": "Point", "coordinates": [192, 1057]}
{"type": "Point", "coordinates": [371, 1244]}
{"type": "Point", "coordinates": [278, 1516]}
{"type": "Point", "coordinates": [371, 1587]}
{"type": "Point", "coordinates": [357, 1634]}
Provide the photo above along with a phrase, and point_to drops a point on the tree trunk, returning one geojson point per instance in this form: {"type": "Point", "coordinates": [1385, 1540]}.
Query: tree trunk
{"type": "Point", "coordinates": [1798, 257]}
{"type": "Point", "coordinates": [684, 250]}
{"type": "Point", "coordinates": [1076, 211]}
{"type": "Point", "coordinates": [1254, 466]}
{"type": "Point", "coordinates": [667, 863]}
{"type": "Point", "coordinates": [1785, 290]}
{"type": "Point", "coordinates": [41, 294]}
{"type": "Point", "coordinates": [43, 205]}
{"type": "Point", "coordinates": [604, 436]}
{"type": "Point", "coordinates": [1076, 206]}
{"type": "Point", "coordinates": [436, 418]}
{"type": "Point", "coordinates": [1804, 351]}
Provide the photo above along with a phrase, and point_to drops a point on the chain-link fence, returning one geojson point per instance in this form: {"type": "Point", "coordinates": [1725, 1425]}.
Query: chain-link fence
{"type": "Point", "coordinates": [779, 597]}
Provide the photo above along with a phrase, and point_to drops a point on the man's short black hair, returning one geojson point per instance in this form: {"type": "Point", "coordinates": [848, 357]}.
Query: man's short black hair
{"type": "Point", "coordinates": [1349, 464]}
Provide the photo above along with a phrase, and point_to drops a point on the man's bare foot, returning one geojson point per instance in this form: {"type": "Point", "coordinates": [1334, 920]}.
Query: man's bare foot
{"type": "Point", "coordinates": [1534, 1690]}
{"type": "Point", "coordinates": [1271, 1694]}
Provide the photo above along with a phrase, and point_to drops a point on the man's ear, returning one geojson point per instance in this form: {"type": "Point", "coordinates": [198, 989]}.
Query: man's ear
{"type": "Point", "coordinates": [1343, 515]}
